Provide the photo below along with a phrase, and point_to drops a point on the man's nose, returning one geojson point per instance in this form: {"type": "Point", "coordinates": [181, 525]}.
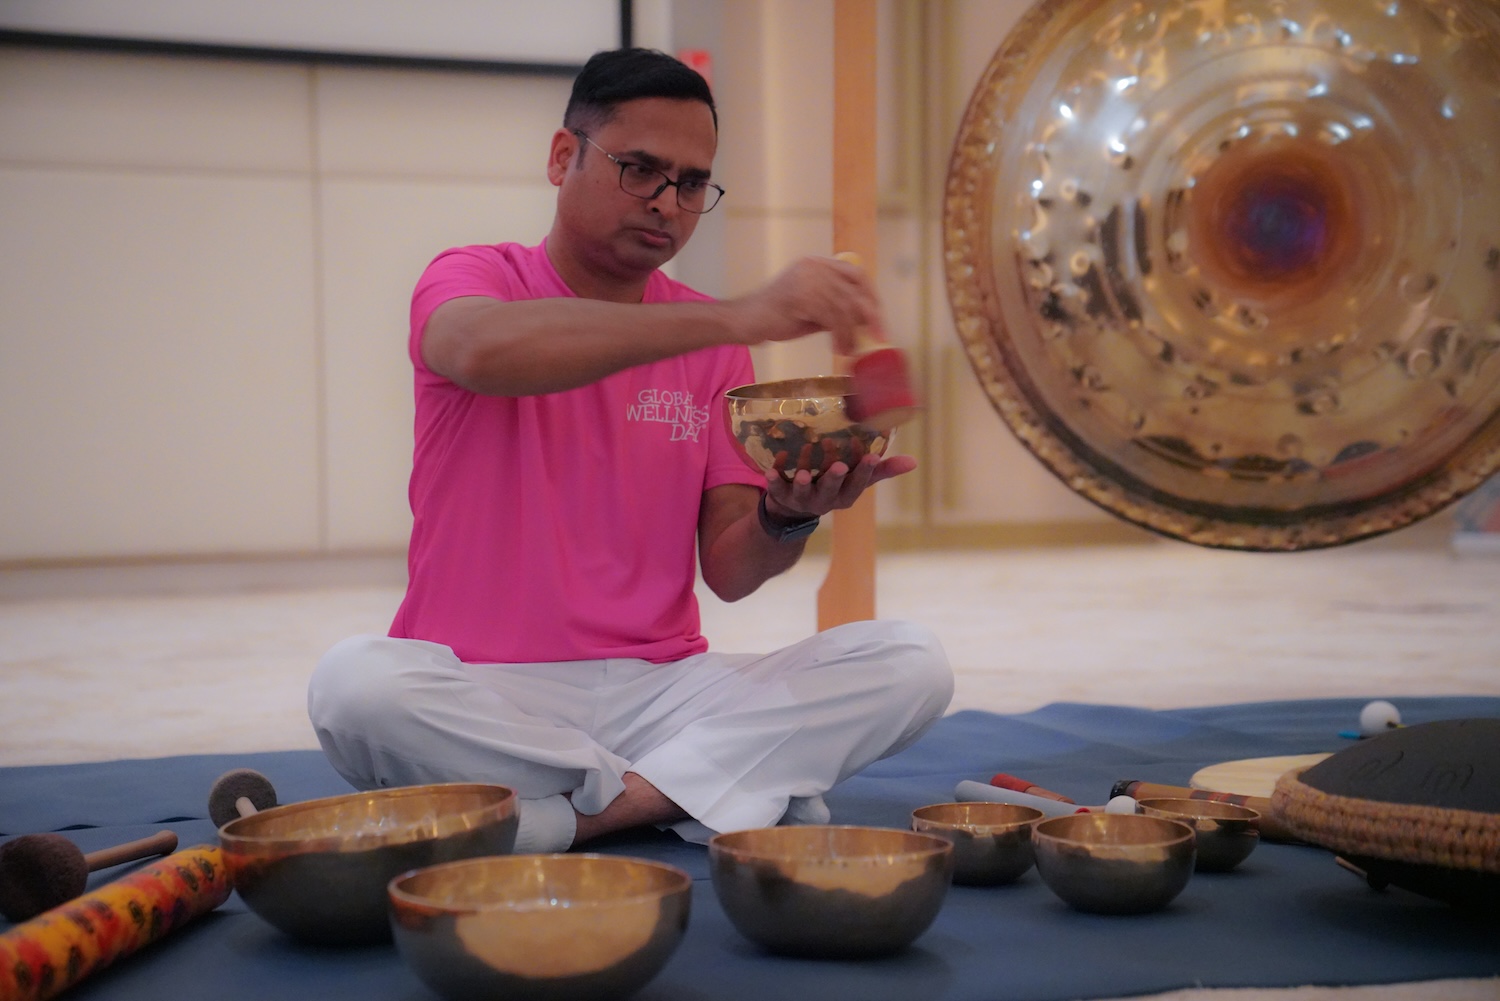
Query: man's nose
{"type": "Point", "coordinates": [665, 201]}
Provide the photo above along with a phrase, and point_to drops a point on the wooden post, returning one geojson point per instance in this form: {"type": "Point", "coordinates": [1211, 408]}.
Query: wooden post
{"type": "Point", "coordinates": [848, 592]}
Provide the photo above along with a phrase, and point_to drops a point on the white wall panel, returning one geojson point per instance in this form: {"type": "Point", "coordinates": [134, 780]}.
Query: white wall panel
{"type": "Point", "coordinates": [799, 105]}
{"type": "Point", "coordinates": [157, 374]}
{"type": "Point", "coordinates": [739, 81]}
{"type": "Point", "coordinates": [558, 31]}
{"type": "Point", "coordinates": [981, 473]}
{"type": "Point", "coordinates": [437, 124]}
{"type": "Point", "coordinates": [378, 236]}
{"type": "Point", "coordinates": [60, 107]}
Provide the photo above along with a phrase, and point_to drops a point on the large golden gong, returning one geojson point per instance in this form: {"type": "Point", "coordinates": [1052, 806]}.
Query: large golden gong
{"type": "Point", "coordinates": [1231, 268]}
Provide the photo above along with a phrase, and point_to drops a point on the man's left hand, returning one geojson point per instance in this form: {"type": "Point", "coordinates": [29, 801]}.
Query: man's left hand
{"type": "Point", "coordinates": [837, 487]}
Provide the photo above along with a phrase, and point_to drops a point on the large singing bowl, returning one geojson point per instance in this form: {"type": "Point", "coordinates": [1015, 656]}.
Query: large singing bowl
{"type": "Point", "coordinates": [577, 927]}
{"type": "Point", "coordinates": [1231, 268]}
{"type": "Point", "coordinates": [830, 892]}
{"type": "Point", "coordinates": [318, 870]}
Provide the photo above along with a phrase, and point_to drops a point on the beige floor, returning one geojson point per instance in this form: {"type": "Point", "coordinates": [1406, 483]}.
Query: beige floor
{"type": "Point", "coordinates": [147, 661]}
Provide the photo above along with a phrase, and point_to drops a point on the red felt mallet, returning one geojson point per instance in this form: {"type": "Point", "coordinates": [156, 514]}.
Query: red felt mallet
{"type": "Point", "coordinates": [883, 396]}
{"type": "Point", "coordinates": [1004, 781]}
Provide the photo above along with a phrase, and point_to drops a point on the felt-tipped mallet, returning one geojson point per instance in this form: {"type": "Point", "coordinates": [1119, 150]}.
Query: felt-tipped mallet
{"type": "Point", "coordinates": [1003, 781]}
{"type": "Point", "coordinates": [41, 871]}
{"type": "Point", "coordinates": [883, 396]}
{"type": "Point", "coordinates": [239, 793]}
{"type": "Point", "coordinates": [1374, 719]}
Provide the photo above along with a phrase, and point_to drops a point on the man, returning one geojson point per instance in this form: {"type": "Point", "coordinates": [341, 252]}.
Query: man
{"type": "Point", "coordinates": [570, 453]}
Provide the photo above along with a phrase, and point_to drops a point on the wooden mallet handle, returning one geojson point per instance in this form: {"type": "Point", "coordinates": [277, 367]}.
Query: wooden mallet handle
{"type": "Point", "coordinates": [160, 843]}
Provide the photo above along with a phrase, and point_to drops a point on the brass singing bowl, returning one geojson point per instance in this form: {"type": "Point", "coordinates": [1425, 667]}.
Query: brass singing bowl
{"type": "Point", "coordinates": [797, 424]}
{"type": "Point", "coordinates": [1230, 269]}
{"type": "Point", "coordinates": [991, 841]}
{"type": "Point", "coordinates": [831, 892]}
{"type": "Point", "coordinates": [318, 869]}
{"type": "Point", "coordinates": [1225, 833]}
{"type": "Point", "coordinates": [1114, 863]}
{"type": "Point", "coordinates": [540, 927]}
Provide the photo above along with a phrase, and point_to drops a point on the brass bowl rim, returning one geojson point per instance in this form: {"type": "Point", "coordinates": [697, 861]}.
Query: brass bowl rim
{"type": "Point", "coordinates": [839, 386]}
{"type": "Point", "coordinates": [1240, 812]}
{"type": "Point", "coordinates": [230, 837]}
{"type": "Point", "coordinates": [933, 845]}
{"type": "Point", "coordinates": [680, 882]}
{"type": "Point", "coordinates": [979, 828]}
{"type": "Point", "coordinates": [1184, 831]}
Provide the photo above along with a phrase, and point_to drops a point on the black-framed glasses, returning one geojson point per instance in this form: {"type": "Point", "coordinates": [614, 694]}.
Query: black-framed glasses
{"type": "Point", "coordinates": [694, 194]}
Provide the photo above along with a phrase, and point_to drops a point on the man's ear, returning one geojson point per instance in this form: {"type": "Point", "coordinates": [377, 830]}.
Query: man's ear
{"type": "Point", "coordinates": [560, 156]}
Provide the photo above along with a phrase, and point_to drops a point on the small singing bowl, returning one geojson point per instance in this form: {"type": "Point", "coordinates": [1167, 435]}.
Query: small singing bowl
{"type": "Point", "coordinates": [830, 892]}
{"type": "Point", "coordinates": [539, 927]}
{"type": "Point", "coordinates": [318, 869]}
{"type": "Point", "coordinates": [1107, 863]}
{"type": "Point", "coordinates": [1226, 833]}
{"type": "Point", "coordinates": [797, 424]}
{"type": "Point", "coordinates": [991, 841]}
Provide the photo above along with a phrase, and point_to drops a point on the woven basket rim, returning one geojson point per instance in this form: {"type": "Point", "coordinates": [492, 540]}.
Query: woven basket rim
{"type": "Point", "coordinates": [1400, 832]}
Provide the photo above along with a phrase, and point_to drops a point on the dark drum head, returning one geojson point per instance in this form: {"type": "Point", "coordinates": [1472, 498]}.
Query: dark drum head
{"type": "Point", "coordinates": [1452, 764]}
{"type": "Point", "coordinates": [1447, 765]}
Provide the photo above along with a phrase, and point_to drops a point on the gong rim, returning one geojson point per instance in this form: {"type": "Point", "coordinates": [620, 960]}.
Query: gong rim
{"type": "Point", "coordinates": [1256, 494]}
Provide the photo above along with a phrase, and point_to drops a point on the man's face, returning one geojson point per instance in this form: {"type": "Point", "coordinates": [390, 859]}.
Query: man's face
{"type": "Point", "coordinates": [614, 231]}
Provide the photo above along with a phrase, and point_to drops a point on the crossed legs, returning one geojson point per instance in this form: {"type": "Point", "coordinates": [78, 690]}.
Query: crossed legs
{"type": "Point", "coordinates": [715, 742]}
{"type": "Point", "coordinates": [640, 805]}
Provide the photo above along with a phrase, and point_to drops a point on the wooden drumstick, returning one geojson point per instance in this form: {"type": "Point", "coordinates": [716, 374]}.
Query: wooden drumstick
{"type": "Point", "coordinates": [41, 871]}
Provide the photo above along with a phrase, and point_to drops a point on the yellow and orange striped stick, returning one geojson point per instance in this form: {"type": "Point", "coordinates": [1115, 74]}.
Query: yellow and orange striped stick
{"type": "Point", "coordinates": [57, 948]}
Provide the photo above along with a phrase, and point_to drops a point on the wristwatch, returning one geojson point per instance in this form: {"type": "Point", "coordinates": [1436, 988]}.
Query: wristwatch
{"type": "Point", "coordinates": [781, 529]}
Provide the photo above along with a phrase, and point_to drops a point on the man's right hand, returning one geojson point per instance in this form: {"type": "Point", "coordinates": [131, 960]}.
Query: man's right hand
{"type": "Point", "coordinates": [812, 295]}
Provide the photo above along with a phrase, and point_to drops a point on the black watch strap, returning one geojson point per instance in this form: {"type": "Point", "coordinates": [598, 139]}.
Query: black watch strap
{"type": "Point", "coordinates": [782, 530]}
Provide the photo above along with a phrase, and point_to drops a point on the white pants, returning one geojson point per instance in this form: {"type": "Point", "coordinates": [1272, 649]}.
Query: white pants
{"type": "Point", "coordinates": [733, 739]}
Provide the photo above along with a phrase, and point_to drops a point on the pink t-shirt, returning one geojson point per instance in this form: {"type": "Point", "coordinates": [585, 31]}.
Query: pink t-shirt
{"type": "Point", "coordinates": [564, 526]}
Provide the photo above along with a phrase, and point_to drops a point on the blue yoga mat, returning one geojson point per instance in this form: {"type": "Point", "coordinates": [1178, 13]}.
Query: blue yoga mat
{"type": "Point", "coordinates": [1288, 916]}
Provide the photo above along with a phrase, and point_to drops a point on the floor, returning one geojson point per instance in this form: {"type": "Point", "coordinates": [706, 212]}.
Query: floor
{"type": "Point", "coordinates": [148, 661]}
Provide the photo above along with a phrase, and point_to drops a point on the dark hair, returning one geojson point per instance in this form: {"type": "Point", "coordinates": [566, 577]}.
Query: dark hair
{"type": "Point", "coordinates": [615, 76]}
